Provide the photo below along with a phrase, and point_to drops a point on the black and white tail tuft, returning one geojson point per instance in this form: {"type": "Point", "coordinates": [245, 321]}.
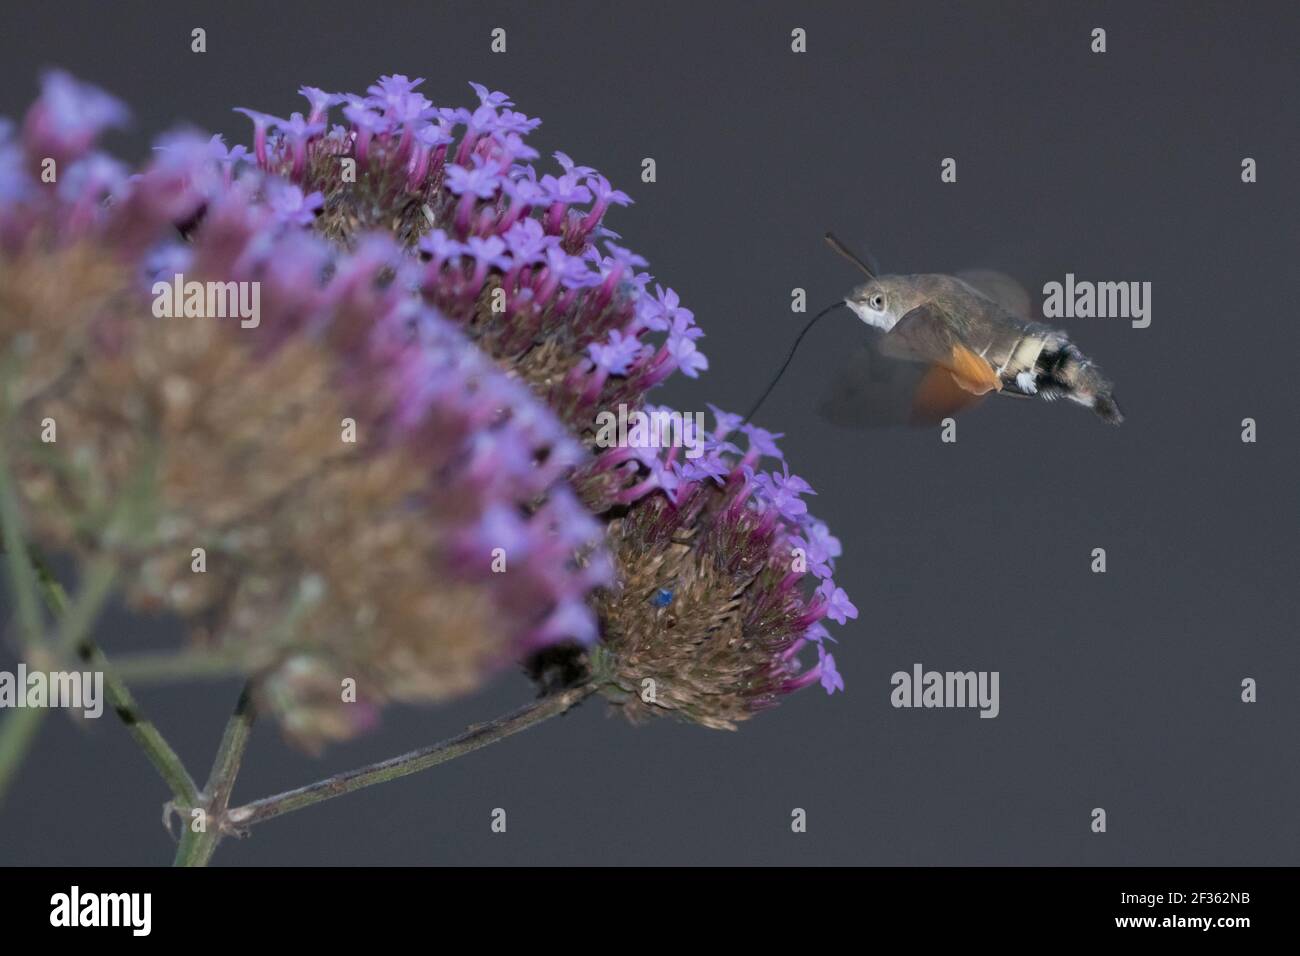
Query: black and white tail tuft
{"type": "Point", "coordinates": [1074, 376]}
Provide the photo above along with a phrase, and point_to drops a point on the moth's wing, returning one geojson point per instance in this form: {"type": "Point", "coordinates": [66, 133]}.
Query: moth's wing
{"type": "Point", "coordinates": [939, 396]}
{"type": "Point", "coordinates": [872, 390]}
{"type": "Point", "coordinates": [1002, 289]}
{"type": "Point", "coordinates": [921, 335]}
{"type": "Point", "coordinates": [928, 335]}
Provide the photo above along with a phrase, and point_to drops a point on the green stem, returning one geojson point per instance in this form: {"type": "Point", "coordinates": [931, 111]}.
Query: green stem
{"type": "Point", "coordinates": [196, 848]}
{"type": "Point", "coordinates": [18, 732]}
{"type": "Point", "coordinates": [19, 729]}
{"type": "Point", "coordinates": [156, 748]}
{"type": "Point", "coordinates": [160, 666]}
{"type": "Point", "coordinates": [77, 619]}
{"type": "Point", "coordinates": [156, 667]}
{"type": "Point", "coordinates": [22, 579]}
{"type": "Point", "coordinates": [29, 574]}
{"type": "Point", "coordinates": [472, 739]}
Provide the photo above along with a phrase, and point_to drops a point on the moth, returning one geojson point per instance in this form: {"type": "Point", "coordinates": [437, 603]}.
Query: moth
{"type": "Point", "coordinates": [946, 342]}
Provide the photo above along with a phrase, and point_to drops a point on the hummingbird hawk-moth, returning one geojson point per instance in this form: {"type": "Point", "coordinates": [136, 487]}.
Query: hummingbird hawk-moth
{"type": "Point", "coordinates": [947, 341]}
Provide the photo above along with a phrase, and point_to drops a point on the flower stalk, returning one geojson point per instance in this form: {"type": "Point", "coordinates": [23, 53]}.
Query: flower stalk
{"type": "Point", "coordinates": [165, 760]}
{"type": "Point", "coordinates": [197, 845]}
{"type": "Point", "coordinates": [477, 736]}
{"type": "Point", "coordinates": [18, 731]}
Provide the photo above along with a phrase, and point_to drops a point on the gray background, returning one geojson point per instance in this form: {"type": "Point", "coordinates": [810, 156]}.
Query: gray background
{"type": "Point", "coordinates": [1118, 690]}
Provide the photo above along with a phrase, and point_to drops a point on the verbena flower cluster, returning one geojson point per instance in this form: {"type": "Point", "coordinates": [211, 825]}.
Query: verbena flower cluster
{"type": "Point", "coordinates": [471, 316]}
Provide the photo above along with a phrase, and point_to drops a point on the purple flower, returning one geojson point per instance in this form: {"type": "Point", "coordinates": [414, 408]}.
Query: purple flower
{"type": "Point", "coordinates": [297, 131]}
{"type": "Point", "coordinates": [762, 442]}
{"type": "Point", "coordinates": [838, 606]}
{"type": "Point", "coordinates": [477, 181]}
{"type": "Point", "coordinates": [664, 477]}
{"type": "Point", "coordinates": [433, 135]}
{"type": "Point", "coordinates": [683, 325]}
{"type": "Point", "coordinates": [571, 620]}
{"type": "Point", "coordinates": [511, 122]}
{"type": "Point", "coordinates": [528, 242]}
{"type": "Point", "coordinates": [511, 147]}
{"type": "Point", "coordinates": [524, 191]}
{"type": "Point", "coordinates": [499, 526]}
{"type": "Point", "coordinates": [368, 124]}
{"type": "Point", "coordinates": [489, 252]}
{"type": "Point", "coordinates": [482, 120]}
{"type": "Point", "coordinates": [646, 313]}
{"type": "Point", "coordinates": [261, 122]}
{"type": "Point", "coordinates": [188, 158]}
{"type": "Point", "coordinates": [830, 677]}
{"type": "Point", "coordinates": [624, 257]}
{"type": "Point", "coordinates": [569, 271]}
{"type": "Point", "coordinates": [565, 189]}
{"type": "Point", "coordinates": [568, 524]}
{"type": "Point", "coordinates": [820, 546]}
{"type": "Point", "coordinates": [568, 166]}
{"type": "Point", "coordinates": [617, 354]}
{"type": "Point", "coordinates": [493, 99]}
{"type": "Point", "coordinates": [605, 193]}
{"type": "Point", "coordinates": [710, 465]}
{"type": "Point", "coordinates": [667, 310]}
{"type": "Point", "coordinates": [320, 102]}
{"type": "Point", "coordinates": [394, 93]}
{"type": "Point", "coordinates": [820, 537]}
{"type": "Point", "coordinates": [728, 422]}
{"type": "Point", "coordinates": [494, 461]}
{"type": "Point", "coordinates": [817, 560]}
{"type": "Point", "coordinates": [412, 109]}
{"type": "Point", "coordinates": [441, 246]}
{"type": "Point", "coordinates": [226, 156]}
{"type": "Point", "coordinates": [428, 137]}
{"type": "Point", "coordinates": [689, 360]}
{"type": "Point", "coordinates": [455, 115]}
{"type": "Point", "coordinates": [165, 261]}
{"type": "Point", "coordinates": [69, 116]}
{"type": "Point", "coordinates": [817, 633]}
{"type": "Point", "coordinates": [365, 119]}
{"type": "Point", "coordinates": [782, 492]}
{"type": "Point", "coordinates": [600, 571]}
{"type": "Point", "coordinates": [91, 178]}
{"type": "Point", "coordinates": [290, 205]}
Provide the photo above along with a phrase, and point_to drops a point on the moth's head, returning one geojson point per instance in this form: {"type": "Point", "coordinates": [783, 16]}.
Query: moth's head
{"type": "Point", "coordinates": [881, 301]}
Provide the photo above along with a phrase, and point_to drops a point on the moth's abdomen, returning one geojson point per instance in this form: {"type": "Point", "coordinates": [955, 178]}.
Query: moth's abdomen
{"type": "Point", "coordinates": [1080, 380]}
{"type": "Point", "coordinates": [1021, 353]}
{"type": "Point", "coordinates": [1033, 359]}
{"type": "Point", "coordinates": [1060, 370]}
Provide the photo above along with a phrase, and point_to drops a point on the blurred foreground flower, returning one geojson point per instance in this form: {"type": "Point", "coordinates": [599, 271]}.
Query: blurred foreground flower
{"type": "Point", "coordinates": [395, 469]}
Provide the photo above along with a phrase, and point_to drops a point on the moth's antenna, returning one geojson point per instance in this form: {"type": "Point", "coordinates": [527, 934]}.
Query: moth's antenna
{"type": "Point", "coordinates": [833, 241]}
{"type": "Point", "coordinates": [786, 364]}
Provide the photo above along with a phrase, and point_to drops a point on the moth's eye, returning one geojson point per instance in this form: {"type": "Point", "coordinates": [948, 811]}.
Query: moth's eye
{"type": "Point", "coordinates": [877, 302]}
